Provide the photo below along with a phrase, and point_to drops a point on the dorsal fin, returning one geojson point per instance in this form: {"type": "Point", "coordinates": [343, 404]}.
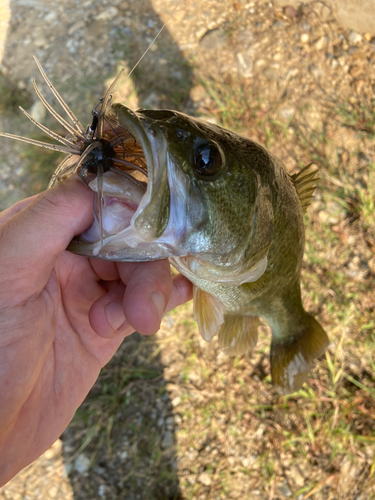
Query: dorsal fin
{"type": "Point", "coordinates": [305, 183]}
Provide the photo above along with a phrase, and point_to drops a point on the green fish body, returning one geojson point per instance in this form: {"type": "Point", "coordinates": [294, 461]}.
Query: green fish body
{"type": "Point", "coordinates": [230, 218]}
{"type": "Point", "coordinates": [219, 206]}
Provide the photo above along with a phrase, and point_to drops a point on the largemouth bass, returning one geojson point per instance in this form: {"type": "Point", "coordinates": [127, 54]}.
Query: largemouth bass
{"type": "Point", "coordinates": [222, 208]}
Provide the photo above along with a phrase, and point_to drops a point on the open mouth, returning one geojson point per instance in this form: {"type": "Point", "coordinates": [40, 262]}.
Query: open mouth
{"type": "Point", "coordinates": [115, 167]}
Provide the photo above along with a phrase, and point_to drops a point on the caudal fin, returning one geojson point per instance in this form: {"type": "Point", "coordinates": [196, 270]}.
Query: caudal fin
{"type": "Point", "coordinates": [291, 360]}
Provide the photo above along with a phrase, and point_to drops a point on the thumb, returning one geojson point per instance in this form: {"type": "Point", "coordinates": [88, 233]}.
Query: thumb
{"type": "Point", "coordinates": [33, 238]}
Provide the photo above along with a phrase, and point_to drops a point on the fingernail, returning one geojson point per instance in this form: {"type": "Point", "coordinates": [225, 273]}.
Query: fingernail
{"type": "Point", "coordinates": [159, 302]}
{"type": "Point", "coordinates": [115, 315]}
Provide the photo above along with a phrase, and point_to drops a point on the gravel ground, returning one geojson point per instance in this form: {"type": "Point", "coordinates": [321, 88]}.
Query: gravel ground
{"type": "Point", "coordinates": [171, 417]}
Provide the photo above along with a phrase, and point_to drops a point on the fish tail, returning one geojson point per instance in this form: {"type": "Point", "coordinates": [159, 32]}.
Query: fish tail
{"type": "Point", "coordinates": [291, 359]}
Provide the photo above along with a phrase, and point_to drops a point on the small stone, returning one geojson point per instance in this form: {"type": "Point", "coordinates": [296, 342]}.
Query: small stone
{"type": "Point", "coordinates": [367, 36]}
{"type": "Point", "coordinates": [53, 492]}
{"type": "Point", "coordinates": [290, 12]}
{"type": "Point", "coordinates": [160, 422]}
{"type": "Point", "coordinates": [123, 455]}
{"type": "Point", "coordinates": [271, 74]}
{"type": "Point", "coordinates": [355, 71]}
{"type": "Point", "coordinates": [316, 71]}
{"type": "Point", "coordinates": [296, 476]}
{"type": "Point", "coordinates": [101, 490]}
{"type": "Point", "coordinates": [304, 38]}
{"type": "Point", "coordinates": [167, 440]}
{"type": "Point", "coordinates": [322, 10]}
{"type": "Point", "coordinates": [75, 27]}
{"type": "Point", "coordinates": [51, 16]}
{"type": "Point", "coordinates": [285, 490]}
{"type": "Point", "coordinates": [245, 64]}
{"type": "Point", "coordinates": [355, 37]}
{"type": "Point", "coordinates": [197, 93]}
{"type": "Point", "coordinates": [204, 479]}
{"type": "Point", "coordinates": [320, 43]}
{"type": "Point", "coordinates": [176, 401]}
{"type": "Point", "coordinates": [82, 464]}
{"type": "Point", "coordinates": [107, 14]}
{"type": "Point", "coordinates": [358, 85]}
{"type": "Point", "coordinates": [286, 112]}
{"type": "Point", "coordinates": [169, 421]}
{"type": "Point", "coordinates": [212, 40]}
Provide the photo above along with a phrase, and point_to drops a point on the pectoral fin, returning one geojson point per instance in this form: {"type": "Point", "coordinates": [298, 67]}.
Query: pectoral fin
{"type": "Point", "coordinates": [291, 360]}
{"type": "Point", "coordinates": [208, 312]}
{"type": "Point", "coordinates": [238, 334]}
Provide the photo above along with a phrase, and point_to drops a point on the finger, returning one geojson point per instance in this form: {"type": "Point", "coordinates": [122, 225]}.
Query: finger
{"type": "Point", "coordinates": [105, 270]}
{"type": "Point", "coordinates": [182, 291]}
{"type": "Point", "coordinates": [14, 209]}
{"type": "Point", "coordinates": [106, 315]}
{"type": "Point", "coordinates": [147, 295]}
{"type": "Point", "coordinates": [33, 238]}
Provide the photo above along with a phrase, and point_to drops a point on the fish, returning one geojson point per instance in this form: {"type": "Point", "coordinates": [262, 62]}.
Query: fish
{"type": "Point", "coordinates": [219, 206]}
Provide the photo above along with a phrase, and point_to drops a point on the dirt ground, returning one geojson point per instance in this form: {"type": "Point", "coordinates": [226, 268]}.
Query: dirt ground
{"type": "Point", "coordinates": [171, 417]}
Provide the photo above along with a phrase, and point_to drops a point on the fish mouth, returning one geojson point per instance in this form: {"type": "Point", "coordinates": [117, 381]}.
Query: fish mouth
{"type": "Point", "coordinates": [136, 198]}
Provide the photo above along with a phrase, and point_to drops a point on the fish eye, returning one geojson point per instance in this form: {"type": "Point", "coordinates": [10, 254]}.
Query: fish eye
{"type": "Point", "coordinates": [208, 160]}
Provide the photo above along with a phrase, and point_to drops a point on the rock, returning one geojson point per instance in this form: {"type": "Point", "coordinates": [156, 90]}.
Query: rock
{"type": "Point", "coordinates": [107, 14]}
{"type": "Point", "coordinates": [167, 440]}
{"type": "Point", "coordinates": [316, 71]}
{"type": "Point", "coordinates": [271, 74]}
{"type": "Point", "coordinates": [290, 12]}
{"type": "Point", "coordinates": [53, 492]}
{"type": "Point", "coordinates": [304, 38]}
{"type": "Point", "coordinates": [245, 64]}
{"type": "Point", "coordinates": [355, 71]}
{"type": "Point", "coordinates": [286, 112]}
{"type": "Point", "coordinates": [355, 37]}
{"type": "Point", "coordinates": [285, 490]}
{"type": "Point", "coordinates": [82, 464]}
{"type": "Point", "coordinates": [296, 476]}
{"type": "Point", "coordinates": [204, 479]}
{"type": "Point", "coordinates": [322, 10]}
{"type": "Point", "coordinates": [197, 93]}
{"type": "Point", "coordinates": [358, 85]}
{"type": "Point", "coordinates": [176, 401]}
{"type": "Point", "coordinates": [212, 40]}
{"type": "Point", "coordinates": [320, 43]}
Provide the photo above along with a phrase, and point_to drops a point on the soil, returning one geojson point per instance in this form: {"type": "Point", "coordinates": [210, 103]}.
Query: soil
{"type": "Point", "coordinates": [171, 417]}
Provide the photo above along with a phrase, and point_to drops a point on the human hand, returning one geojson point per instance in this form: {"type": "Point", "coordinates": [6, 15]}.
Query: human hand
{"type": "Point", "coordinates": [62, 317]}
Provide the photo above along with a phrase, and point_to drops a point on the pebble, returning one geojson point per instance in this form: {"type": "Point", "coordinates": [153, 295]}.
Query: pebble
{"type": "Point", "coordinates": [287, 112]}
{"type": "Point", "coordinates": [245, 64]}
{"type": "Point", "coordinates": [358, 85]}
{"type": "Point", "coordinates": [176, 401]}
{"type": "Point", "coordinates": [304, 38]}
{"type": "Point", "coordinates": [82, 464]}
{"type": "Point", "coordinates": [167, 440]}
{"type": "Point", "coordinates": [316, 71]}
{"type": "Point", "coordinates": [53, 492]}
{"type": "Point", "coordinates": [355, 71]}
{"type": "Point", "coordinates": [212, 40]}
{"type": "Point", "coordinates": [355, 37]}
{"type": "Point", "coordinates": [107, 14]}
{"type": "Point", "coordinates": [197, 93]}
{"type": "Point", "coordinates": [290, 12]}
{"type": "Point", "coordinates": [320, 43]}
{"type": "Point", "coordinates": [204, 479]}
{"type": "Point", "coordinates": [285, 490]}
{"type": "Point", "coordinates": [322, 10]}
